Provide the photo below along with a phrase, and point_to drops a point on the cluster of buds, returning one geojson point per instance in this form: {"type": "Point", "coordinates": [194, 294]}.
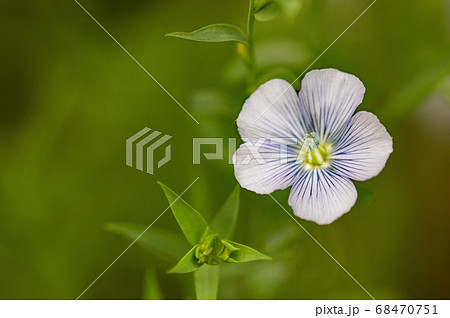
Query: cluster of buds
{"type": "Point", "coordinates": [213, 251]}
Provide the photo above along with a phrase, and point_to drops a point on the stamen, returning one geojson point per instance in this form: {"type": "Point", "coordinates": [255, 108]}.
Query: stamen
{"type": "Point", "coordinates": [312, 153]}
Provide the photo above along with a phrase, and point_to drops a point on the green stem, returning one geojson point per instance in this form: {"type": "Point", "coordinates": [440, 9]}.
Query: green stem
{"type": "Point", "coordinates": [206, 280]}
{"type": "Point", "coordinates": [250, 41]}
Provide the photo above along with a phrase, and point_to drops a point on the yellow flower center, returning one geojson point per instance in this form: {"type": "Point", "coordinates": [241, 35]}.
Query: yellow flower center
{"type": "Point", "coordinates": [314, 153]}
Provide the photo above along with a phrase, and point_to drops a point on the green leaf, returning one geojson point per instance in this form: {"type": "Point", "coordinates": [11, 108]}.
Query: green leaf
{"type": "Point", "coordinates": [260, 3]}
{"type": "Point", "coordinates": [206, 233]}
{"type": "Point", "coordinates": [190, 221]}
{"type": "Point", "coordinates": [408, 98]}
{"type": "Point", "coordinates": [152, 291]}
{"type": "Point", "coordinates": [207, 282]}
{"type": "Point", "coordinates": [267, 10]}
{"type": "Point", "coordinates": [221, 32]}
{"type": "Point", "coordinates": [163, 243]}
{"type": "Point", "coordinates": [225, 220]}
{"type": "Point", "coordinates": [187, 264]}
{"type": "Point", "coordinates": [246, 253]}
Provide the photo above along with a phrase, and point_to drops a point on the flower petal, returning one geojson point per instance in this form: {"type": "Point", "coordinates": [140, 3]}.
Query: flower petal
{"type": "Point", "coordinates": [328, 99]}
{"type": "Point", "coordinates": [273, 110]}
{"type": "Point", "coordinates": [263, 168]}
{"type": "Point", "coordinates": [362, 148]}
{"type": "Point", "coordinates": [322, 196]}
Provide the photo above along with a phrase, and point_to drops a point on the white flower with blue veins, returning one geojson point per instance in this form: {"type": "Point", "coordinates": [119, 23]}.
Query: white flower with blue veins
{"type": "Point", "coordinates": [312, 142]}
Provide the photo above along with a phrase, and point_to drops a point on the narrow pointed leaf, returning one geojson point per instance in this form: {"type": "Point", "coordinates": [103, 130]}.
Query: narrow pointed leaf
{"type": "Point", "coordinates": [206, 233]}
{"type": "Point", "coordinates": [190, 221]}
{"type": "Point", "coordinates": [411, 96]}
{"type": "Point", "coordinates": [246, 254]}
{"type": "Point", "coordinates": [163, 243]}
{"type": "Point", "coordinates": [207, 282]}
{"type": "Point", "coordinates": [259, 4]}
{"type": "Point", "coordinates": [225, 220]}
{"type": "Point", "coordinates": [152, 291]}
{"type": "Point", "coordinates": [187, 264]}
{"type": "Point", "coordinates": [267, 10]}
{"type": "Point", "coordinates": [221, 32]}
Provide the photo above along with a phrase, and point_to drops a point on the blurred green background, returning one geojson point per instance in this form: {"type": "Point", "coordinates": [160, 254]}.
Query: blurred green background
{"type": "Point", "coordinates": [70, 97]}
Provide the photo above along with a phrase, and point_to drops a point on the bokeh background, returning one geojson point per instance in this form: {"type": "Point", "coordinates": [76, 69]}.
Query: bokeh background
{"type": "Point", "coordinates": [70, 97]}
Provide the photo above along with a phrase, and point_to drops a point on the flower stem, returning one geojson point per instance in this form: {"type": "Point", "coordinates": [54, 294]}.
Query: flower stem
{"type": "Point", "coordinates": [206, 280]}
{"type": "Point", "coordinates": [250, 41]}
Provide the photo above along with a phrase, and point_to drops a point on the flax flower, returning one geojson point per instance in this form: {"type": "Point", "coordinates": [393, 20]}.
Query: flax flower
{"type": "Point", "coordinates": [312, 142]}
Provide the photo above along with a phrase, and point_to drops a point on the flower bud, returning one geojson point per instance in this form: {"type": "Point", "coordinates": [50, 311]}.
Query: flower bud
{"type": "Point", "coordinates": [213, 251]}
{"type": "Point", "coordinates": [242, 50]}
